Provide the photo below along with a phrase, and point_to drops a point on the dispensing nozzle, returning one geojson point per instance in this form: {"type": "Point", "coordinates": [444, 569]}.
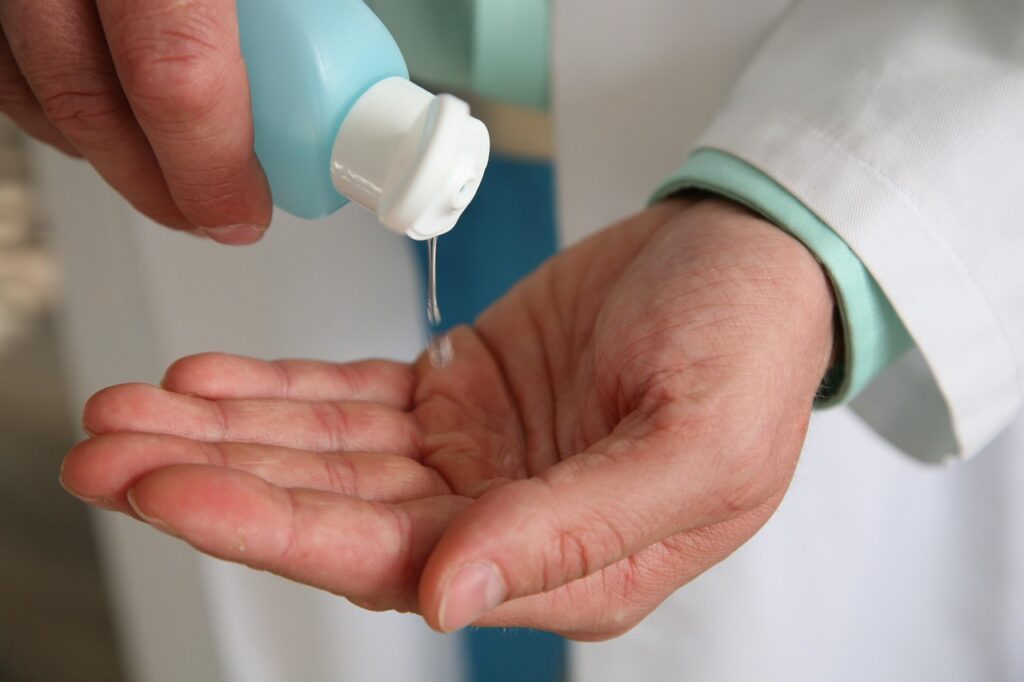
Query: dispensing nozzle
{"type": "Point", "coordinates": [414, 159]}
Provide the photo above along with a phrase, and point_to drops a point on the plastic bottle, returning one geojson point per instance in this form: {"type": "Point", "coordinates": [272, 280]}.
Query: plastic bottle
{"type": "Point", "coordinates": [337, 119]}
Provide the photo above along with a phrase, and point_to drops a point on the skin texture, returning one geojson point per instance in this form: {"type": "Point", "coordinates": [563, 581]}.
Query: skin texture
{"type": "Point", "coordinates": [624, 419]}
{"type": "Point", "coordinates": [153, 93]}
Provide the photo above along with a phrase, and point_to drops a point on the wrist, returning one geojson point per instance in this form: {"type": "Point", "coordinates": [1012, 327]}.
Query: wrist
{"type": "Point", "coordinates": [791, 287]}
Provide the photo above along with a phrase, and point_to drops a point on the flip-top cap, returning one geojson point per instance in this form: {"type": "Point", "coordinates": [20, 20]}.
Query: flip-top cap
{"type": "Point", "coordinates": [412, 158]}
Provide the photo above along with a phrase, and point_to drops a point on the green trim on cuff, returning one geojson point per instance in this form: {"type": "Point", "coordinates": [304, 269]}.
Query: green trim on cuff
{"type": "Point", "coordinates": [875, 337]}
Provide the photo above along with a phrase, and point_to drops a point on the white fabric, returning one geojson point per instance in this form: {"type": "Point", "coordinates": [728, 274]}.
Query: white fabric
{"type": "Point", "coordinates": [903, 131]}
{"type": "Point", "coordinates": [876, 567]}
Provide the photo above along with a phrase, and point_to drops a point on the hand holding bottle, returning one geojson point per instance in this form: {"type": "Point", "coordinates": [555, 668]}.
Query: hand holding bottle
{"type": "Point", "coordinates": [154, 94]}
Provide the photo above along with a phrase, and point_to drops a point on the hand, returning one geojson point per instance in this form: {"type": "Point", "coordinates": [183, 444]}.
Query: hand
{"type": "Point", "coordinates": [621, 421]}
{"type": "Point", "coordinates": [153, 93]}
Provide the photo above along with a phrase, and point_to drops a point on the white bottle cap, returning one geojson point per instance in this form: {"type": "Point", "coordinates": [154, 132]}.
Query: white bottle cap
{"type": "Point", "coordinates": [412, 158]}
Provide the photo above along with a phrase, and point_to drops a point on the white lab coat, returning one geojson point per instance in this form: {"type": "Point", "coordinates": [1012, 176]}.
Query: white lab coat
{"type": "Point", "coordinates": [898, 123]}
{"type": "Point", "coordinates": [902, 125]}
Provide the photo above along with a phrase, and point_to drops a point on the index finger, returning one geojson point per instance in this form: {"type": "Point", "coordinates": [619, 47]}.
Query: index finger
{"type": "Point", "coordinates": [180, 65]}
{"type": "Point", "coordinates": [217, 376]}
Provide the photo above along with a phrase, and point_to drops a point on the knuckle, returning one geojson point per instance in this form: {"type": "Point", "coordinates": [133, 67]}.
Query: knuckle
{"type": "Point", "coordinates": [173, 67]}
{"type": "Point", "coordinates": [623, 583]}
{"type": "Point", "coordinates": [14, 92]}
{"type": "Point", "coordinates": [213, 190]}
{"type": "Point", "coordinates": [582, 540]}
{"type": "Point", "coordinates": [399, 580]}
{"type": "Point", "coordinates": [568, 560]}
{"type": "Point", "coordinates": [217, 454]}
{"type": "Point", "coordinates": [342, 476]}
{"type": "Point", "coordinates": [743, 488]}
{"type": "Point", "coordinates": [746, 484]}
{"type": "Point", "coordinates": [334, 423]}
{"type": "Point", "coordinates": [83, 112]}
{"type": "Point", "coordinates": [579, 551]}
{"type": "Point", "coordinates": [285, 378]}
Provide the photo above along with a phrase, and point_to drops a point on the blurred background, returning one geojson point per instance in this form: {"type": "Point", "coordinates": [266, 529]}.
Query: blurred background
{"type": "Point", "coordinates": [55, 623]}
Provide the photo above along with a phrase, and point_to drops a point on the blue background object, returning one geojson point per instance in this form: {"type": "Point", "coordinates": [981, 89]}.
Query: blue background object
{"type": "Point", "coordinates": [508, 230]}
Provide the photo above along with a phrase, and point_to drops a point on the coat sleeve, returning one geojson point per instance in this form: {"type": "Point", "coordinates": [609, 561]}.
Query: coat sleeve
{"type": "Point", "coordinates": [900, 123]}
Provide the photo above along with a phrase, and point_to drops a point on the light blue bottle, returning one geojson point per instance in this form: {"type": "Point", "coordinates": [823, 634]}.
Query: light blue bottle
{"type": "Point", "coordinates": [337, 119]}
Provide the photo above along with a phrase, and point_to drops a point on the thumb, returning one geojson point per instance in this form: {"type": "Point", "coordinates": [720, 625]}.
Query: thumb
{"type": "Point", "coordinates": [588, 512]}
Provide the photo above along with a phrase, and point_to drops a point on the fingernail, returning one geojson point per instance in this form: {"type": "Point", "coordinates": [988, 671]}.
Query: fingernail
{"type": "Point", "coordinates": [471, 593]}
{"type": "Point", "coordinates": [235, 235]}
{"type": "Point", "coordinates": [156, 523]}
{"type": "Point", "coordinates": [98, 502]}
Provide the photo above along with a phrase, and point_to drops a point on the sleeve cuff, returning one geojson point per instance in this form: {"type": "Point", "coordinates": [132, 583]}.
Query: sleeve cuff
{"type": "Point", "coordinates": [874, 335]}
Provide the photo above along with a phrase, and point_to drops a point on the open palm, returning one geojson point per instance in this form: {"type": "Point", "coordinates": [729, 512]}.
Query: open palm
{"type": "Point", "coordinates": [621, 421]}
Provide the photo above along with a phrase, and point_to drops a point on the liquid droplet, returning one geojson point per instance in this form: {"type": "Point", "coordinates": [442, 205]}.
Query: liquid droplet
{"type": "Point", "coordinates": [440, 349]}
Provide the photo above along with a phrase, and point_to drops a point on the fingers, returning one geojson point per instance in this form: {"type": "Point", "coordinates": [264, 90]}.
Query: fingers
{"type": "Point", "coordinates": [310, 426]}
{"type": "Point", "coordinates": [153, 94]}
{"type": "Point", "coordinates": [180, 64]}
{"type": "Point", "coordinates": [587, 513]}
{"type": "Point", "coordinates": [18, 102]}
{"type": "Point", "coordinates": [103, 469]}
{"type": "Point", "coordinates": [366, 551]}
{"type": "Point", "coordinates": [60, 49]}
{"type": "Point", "coordinates": [217, 376]}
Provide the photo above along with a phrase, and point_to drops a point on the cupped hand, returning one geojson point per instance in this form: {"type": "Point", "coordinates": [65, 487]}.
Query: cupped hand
{"type": "Point", "coordinates": [153, 93]}
{"type": "Point", "coordinates": [624, 419]}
